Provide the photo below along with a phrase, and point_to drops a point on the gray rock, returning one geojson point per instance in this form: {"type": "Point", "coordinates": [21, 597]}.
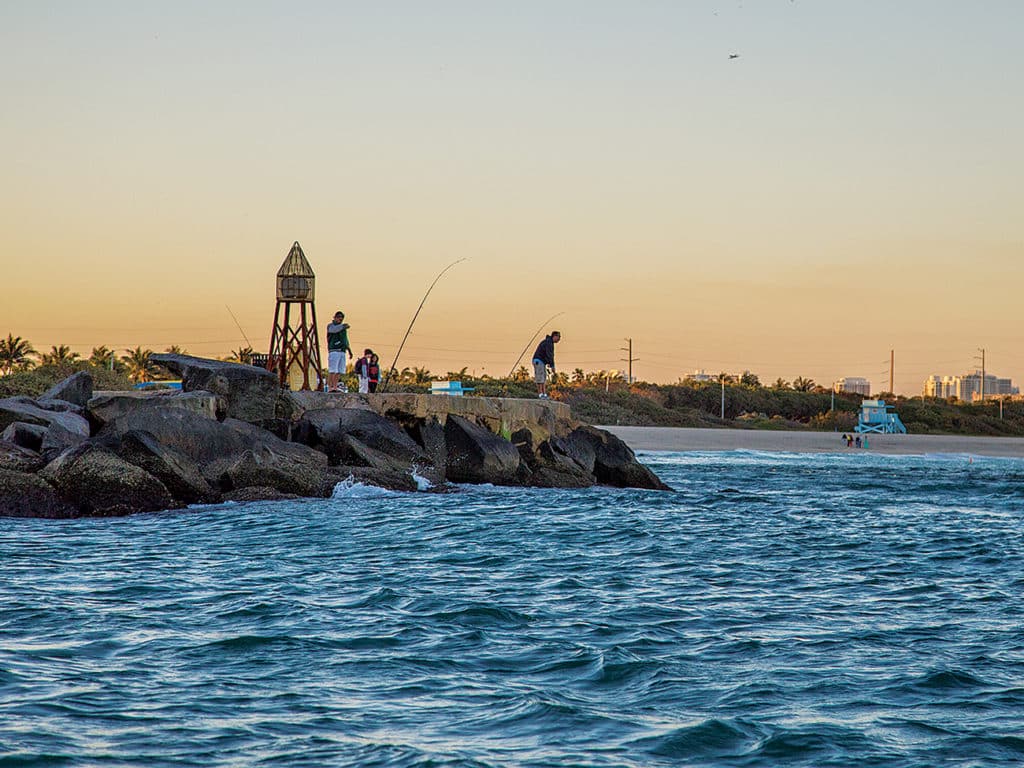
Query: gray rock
{"type": "Point", "coordinates": [545, 467]}
{"type": "Point", "coordinates": [429, 435]}
{"type": "Point", "coordinates": [28, 411]}
{"type": "Point", "coordinates": [251, 393]}
{"type": "Point", "coordinates": [476, 455]}
{"type": "Point", "coordinates": [357, 453]}
{"type": "Point", "coordinates": [231, 454]}
{"type": "Point", "coordinates": [179, 474]}
{"type": "Point", "coordinates": [59, 406]}
{"type": "Point", "coordinates": [76, 389]}
{"type": "Point", "coordinates": [614, 462]}
{"type": "Point", "coordinates": [100, 483]}
{"type": "Point", "coordinates": [262, 467]}
{"type": "Point", "coordinates": [109, 406]}
{"type": "Point", "coordinates": [57, 439]}
{"type": "Point", "coordinates": [25, 435]}
{"type": "Point", "coordinates": [341, 433]}
{"type": "Point", "coordinates": [15, 458]}
{"type": "Point", "coordinates": [258, 493]}
{"type": "Point", "coordinates": [25, 495]}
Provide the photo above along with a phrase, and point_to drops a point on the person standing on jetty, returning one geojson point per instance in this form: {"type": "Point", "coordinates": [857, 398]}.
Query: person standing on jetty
{"type": "Point", "coordinates": [543, 359]}
{"type": "Point", "coordinates": [373, 372]}
{"type": "Point", "coordinates": [362, 368]}
{"type": "Point", "coordinates": [337, 349]}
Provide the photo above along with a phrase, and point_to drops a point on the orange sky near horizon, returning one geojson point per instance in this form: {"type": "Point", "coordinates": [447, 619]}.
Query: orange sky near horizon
{"type": "Point", "coordinates": [849, 185]}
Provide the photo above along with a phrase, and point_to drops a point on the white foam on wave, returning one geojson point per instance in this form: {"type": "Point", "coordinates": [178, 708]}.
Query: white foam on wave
{"type": "Point", "coordinates": [422, 483]}
{"type": "Point", "coordinates": [350, 488]}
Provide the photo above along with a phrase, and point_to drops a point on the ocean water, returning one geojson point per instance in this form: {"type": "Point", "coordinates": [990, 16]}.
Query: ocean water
{"type": "Point", "coordinates": [778, 610]}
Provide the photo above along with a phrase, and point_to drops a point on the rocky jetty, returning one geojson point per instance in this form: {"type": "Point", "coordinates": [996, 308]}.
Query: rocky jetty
{"type": "Point", "coordinates": [232, 434]}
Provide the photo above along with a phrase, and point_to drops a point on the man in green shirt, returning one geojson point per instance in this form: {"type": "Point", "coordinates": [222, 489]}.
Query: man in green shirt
{"type": "Point", "coordinates": [337, 348]}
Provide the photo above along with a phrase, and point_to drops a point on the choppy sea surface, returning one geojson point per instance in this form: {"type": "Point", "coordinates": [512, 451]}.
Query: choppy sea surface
{"type": "Point", "coordinates": [777, 610]}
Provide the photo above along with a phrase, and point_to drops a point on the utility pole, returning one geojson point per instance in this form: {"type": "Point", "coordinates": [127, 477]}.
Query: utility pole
{"type": "Point", "coordinates": [629, 351]}
{"type": "Point", "coordinates": [722, 377]}
{"type": "Point", "coordinates": [982, 372]}
{"type": "Point", "coordinates": [892, 369]}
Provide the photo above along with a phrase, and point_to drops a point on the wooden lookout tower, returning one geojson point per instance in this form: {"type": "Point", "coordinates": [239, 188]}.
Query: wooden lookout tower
{"type": "Point", "coordinates": [294, 345]}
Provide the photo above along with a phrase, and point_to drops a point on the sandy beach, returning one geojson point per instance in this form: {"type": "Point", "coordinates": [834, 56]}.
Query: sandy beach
{"type": "Point", "coordinates": [685, 439]}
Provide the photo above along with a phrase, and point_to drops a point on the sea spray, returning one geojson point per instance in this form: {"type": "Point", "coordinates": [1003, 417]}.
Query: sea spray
{"type": "Point", "coordinates": [422, 483]}
{"type": "Point", "coordinates": [350, 488]}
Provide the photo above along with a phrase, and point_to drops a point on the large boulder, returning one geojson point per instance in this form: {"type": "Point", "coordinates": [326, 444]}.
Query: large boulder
{"type": "Point", "coordinates": [264, 467]}
{"type": "Point", "coordinates": [109, 406]}
{"type": "Point", "coordinates": [251, 393]}
{"type": "Point", "coordinates": [15, 458]}
{"type": "Point", "coordinates": [220, 449]}
{"type": "Point", "coordinates": [25, 495]}
{"type": "Point", "coordinates": [28, 436]}
{"type": "Point", "coordinates": [543, 466]}
{"type": "Point", "coordinates": [477, 455]}
{"type": "Point", "coordinates": [58, 439]}
{"type": "Point", "coordinates": [99, 483]}
{"type": "Point", "coordinates": [428, 433]}
{"type": "Point", "coordinates": [258, 493]}
{"type": "Point", "coordinates": [613, 462]}
{"type": "Point", "coordinates": [179, 474]}
{"type": "Point", "coordinates": [343, 434]}
{"type": "Point", "coordinates": [76, 389]}
{"type": "Point", "coordinates": [28, 411]}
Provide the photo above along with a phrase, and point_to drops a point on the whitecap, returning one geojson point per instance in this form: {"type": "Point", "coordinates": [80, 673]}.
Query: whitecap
{"type": "Point", "coordinates": [350, 488]}
{"type": "Point", "coordinates": [422, 483]}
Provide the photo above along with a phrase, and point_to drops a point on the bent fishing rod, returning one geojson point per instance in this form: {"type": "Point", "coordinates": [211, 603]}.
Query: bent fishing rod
{"type": "Point", "coordinates": [391, 370]}
{"type": "Point", "coordinates": [532, 339]}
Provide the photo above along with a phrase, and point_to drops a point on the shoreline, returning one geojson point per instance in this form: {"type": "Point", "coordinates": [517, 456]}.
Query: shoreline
{"type": "Point", "coordinates": [702, 439]}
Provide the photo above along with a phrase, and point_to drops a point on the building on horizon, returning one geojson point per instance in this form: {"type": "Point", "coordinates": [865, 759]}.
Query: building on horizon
{"type": "Point", "coordinates": [700, 375]}
{"type": "Point", "coordinates": [853, 384]}
{"type": "Point", "coordinates": [968, 387]}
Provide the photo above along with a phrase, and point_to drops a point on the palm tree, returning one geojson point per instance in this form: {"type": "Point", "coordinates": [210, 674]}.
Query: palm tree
{"type": "Point", "coordinates": [421, 375]}
{"type": "Point", "coordinates": [578, 376]}
{"type": "Point", "coordinates": [521, 374]}
{"type": "Point", "coordinates": [174, 349]}
{"type": "Point", "coordinates": [61, 355]}
{"type": "Point", "coordinates": [749, 379]}
{"type": "Point", "coordinates": [780, 383]}
{"type": "Point", "coordinates": [458, 375]}
{"type": "Point", "coordinates": [101, 356]}
{"type": "Point", "coordinates": [15, 354]}
{"type": "Point", "coordinates": [800, 384]}
{"type": "Point", "coordinates": [139, 366]}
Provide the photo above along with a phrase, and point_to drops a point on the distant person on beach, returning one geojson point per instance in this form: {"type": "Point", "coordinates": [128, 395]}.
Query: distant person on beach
{"type": "Point", "coordinates": [543, 359]}
{"type": "Point", "coordinates": [362, 368]}
{"type": "Point", "coordinates": [339, 352]}
{"type": "Point", "coordinates": [857, 441]}
{"type": "Point", "coordinates": [373, 372]}
{"type": "Point", "coordinates": [845, 438]}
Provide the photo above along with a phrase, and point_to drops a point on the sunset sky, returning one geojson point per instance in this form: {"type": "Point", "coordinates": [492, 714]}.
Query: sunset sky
{"type": "Point", "coordinates": [852, 183]}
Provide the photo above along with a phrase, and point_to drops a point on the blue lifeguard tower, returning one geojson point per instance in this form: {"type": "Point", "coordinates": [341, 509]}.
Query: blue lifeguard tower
{"type": "Point", "coordinates": [876, 416]}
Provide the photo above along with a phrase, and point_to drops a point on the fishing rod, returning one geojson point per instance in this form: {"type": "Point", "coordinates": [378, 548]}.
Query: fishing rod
{"type": "Point", "coordinates": [532, 338]}
{"type": "Point", "coordinates": [391, 370]}
{"type": "Point", "coordinates": [248, 343]}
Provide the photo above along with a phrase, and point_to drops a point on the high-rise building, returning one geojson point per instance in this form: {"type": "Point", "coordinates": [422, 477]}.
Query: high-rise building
{"type": "Point", "coordinates": [854, 384]}
{"type": "Point", "coordinates": [968, 387]}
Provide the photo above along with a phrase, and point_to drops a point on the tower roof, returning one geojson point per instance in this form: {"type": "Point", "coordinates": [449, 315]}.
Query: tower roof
{"type": "Point", "coordinates": [295, 264]}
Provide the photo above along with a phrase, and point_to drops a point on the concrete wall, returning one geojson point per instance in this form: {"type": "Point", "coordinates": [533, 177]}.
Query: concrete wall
{"type": "Point", "coordinates": [500, 414]}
